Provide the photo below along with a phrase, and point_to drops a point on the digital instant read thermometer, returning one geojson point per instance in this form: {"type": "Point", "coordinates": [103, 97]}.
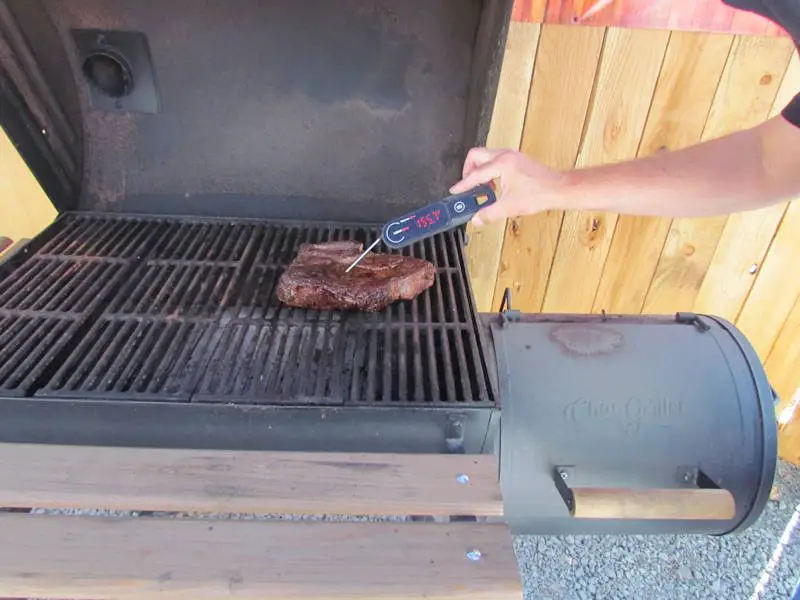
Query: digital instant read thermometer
{"type": "Point", "coordinates": [429, 220]}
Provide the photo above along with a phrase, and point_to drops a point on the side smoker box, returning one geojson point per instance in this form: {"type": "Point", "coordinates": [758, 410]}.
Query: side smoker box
{"type": "Point", "coordinates": [191, 147]}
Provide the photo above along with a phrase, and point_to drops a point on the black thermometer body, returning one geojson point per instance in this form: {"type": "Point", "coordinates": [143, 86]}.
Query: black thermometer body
{"type": "Point", "coordinates": [443, 215]}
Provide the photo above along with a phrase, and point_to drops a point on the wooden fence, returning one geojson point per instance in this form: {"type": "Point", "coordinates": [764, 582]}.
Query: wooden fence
{"type": "Point", "coordinates": [582, 96]}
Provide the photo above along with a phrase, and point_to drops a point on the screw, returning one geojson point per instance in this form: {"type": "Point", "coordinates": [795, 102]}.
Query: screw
{"type": "Point", "coordinates": [44, 131]}
{"type": "Point", "coordinates": [564, 475]}
{"type": "Point", "coordinates": [753, 268]}
{"type": "Point", "coordinates": [474, 555]}
{"type": "Point", "coordinates": [463, 479]}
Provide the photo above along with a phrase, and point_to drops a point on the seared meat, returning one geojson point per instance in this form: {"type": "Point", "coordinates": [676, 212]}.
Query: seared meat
{"type": "Point", "coordinates": [317, 279]}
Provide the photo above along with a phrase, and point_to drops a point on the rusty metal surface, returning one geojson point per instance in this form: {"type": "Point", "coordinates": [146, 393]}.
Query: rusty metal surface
{"type": "Point", "coordinates": [358, 109]}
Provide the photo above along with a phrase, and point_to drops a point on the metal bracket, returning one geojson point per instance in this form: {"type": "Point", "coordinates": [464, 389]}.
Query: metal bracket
{"type": "Point", "coordinates": [454, 436]}
{"type": "Point", "coordinates": [560, 478]}
{"type": "Point", "coordinates": [508, 314]}
{"type": "Point", "coordinates": [690, 318]}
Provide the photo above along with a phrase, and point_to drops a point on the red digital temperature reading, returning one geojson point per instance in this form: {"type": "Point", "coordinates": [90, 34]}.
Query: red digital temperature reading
{"type": "Point", "coordinates": [439, 216]}
{"type": "Point", "coordinates": [429, 220]}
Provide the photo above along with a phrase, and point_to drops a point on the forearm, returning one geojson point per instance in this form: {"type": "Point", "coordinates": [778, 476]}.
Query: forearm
{"type": "Point", "coordinates": [743, 171]}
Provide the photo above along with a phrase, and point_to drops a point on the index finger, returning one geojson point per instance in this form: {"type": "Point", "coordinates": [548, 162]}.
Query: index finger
{"type": "Point", "coordinates": [477, 157]}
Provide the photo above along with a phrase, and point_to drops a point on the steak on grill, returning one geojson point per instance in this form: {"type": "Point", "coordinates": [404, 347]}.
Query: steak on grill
{"type": "Point", "coordinates": [317, 279]}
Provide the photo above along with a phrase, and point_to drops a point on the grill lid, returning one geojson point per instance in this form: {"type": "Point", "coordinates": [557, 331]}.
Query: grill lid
{"type": "Point", "coordinates": [345, 110]}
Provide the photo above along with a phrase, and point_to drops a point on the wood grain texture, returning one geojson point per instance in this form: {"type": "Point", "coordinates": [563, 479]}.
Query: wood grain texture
{"type": "Point", "coordinates": [789, 429]}
{"type": "Point", "coordinates": [562, 84]}
{"type": "Point", "coordinates": [746, 238]}
{"type": "Point", "coordinates": [682, 15]}
{"type": "Point", "coordinates": [789, 86]}
{"type": "Point", "coordinates": [144, 559]}
{"type": "Point", "coordinates": [776, 288]}
{"type": "Point", "coordinates": [789, 442]}
{"type": "Point", "coordinates": [688, 504]}
{"type": "Point", "coordinates": [256, 482]}
{"type": "Point", "coordinates": [683, 264]}
{"type": "Point", "coordinates": [486, 243]}
{"type": "Point", "coordinates": [749, 84]}
{"type": "Point", "coordinates": [681, 102]}
{"type": "Point", "coordinates": [744, 98]}
{"type": "Point", "coordinates": [626, 79]}
{"type": "Point", "coordinates": [24, 207]}
{"type": "Point", "coordinates": [733, 268]}
{"type": "Point", "coordinates": [783, 362]}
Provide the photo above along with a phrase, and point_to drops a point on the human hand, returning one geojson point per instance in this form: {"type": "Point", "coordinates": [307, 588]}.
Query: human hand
{"type": "Point", "coordinates": [526, 186]}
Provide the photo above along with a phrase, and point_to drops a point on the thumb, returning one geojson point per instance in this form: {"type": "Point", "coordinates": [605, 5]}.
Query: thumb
{"type": "Point", "coordinates": [483, 174]}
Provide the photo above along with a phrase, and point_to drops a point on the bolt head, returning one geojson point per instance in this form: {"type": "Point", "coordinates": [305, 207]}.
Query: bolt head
{"type": "Point", "coordinates": [564, 475]}
{"type": "Point", "coordinates": [463, 479]}
{"type": "Point", "coordinates": [474, 555]}
{"type": "Point", "coordinates": [753, 269]}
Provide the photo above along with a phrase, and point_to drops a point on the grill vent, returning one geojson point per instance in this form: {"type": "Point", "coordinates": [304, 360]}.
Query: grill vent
{"type": "Point", "coordinates": [169, 310]}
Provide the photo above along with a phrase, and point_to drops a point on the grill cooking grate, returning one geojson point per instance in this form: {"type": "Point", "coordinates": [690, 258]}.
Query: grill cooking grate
{"type": "Point", "coordinates": [185, 310]}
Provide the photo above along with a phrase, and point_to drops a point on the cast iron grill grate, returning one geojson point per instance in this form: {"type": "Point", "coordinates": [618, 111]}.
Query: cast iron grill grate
{"type": "Point", "coordinates": [185, 310]}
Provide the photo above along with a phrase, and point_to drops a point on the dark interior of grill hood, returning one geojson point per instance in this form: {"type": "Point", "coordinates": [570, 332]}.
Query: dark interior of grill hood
{"type": "Point", "coordinates": [352, 110]}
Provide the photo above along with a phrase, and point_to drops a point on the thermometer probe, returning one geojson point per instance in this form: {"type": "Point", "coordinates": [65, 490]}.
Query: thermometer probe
{"type": "Point", "coordinates": [429, 220]}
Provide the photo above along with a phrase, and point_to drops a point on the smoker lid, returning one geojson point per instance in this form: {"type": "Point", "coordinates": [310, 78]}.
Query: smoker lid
{"type": "Point", "coordinates": [353, 110]}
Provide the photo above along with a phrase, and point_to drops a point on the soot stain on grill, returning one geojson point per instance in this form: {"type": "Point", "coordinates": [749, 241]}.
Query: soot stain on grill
{"type": "Point", "coordinates": [585, 340]}
{"type": "Point", "coordinates": [356, 61]}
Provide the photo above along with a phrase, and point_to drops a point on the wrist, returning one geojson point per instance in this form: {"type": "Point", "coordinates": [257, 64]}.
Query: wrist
{"type": "Point", "coordinates": [579, 191]}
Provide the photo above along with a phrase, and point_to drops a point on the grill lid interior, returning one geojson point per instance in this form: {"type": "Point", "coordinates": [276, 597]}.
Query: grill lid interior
{"type": "Point", "coordinates": [349, 110]}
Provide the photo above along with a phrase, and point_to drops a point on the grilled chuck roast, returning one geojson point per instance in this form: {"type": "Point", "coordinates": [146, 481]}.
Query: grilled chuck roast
{"type": "Point", "coordinates": [317, 279]}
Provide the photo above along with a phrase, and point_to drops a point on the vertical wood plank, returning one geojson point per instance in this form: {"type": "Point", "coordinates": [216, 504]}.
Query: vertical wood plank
{"type": "Point", "coordinates": [789, 86]}
{"type": "Point", "coordinates": [745, 96]}
{"type": "Point", "coordinates": [682, 100]}
{"type": "Point", "coordinates": [776, 288]}
{"type": "Point", "coordinates": [746, 237]}
{"type": "Point", "coordinates": [486, 243]}
{"type": "Point", "coordinates": [789, 442]}
{"type": "Point", "coordinates": [627, 76]}
{"type": "Point", "coordinates": [24, 207]}
{"type": "Point", "coordinates": [566, 65]}
{"type": "Point", "coordinates": [783, 362]}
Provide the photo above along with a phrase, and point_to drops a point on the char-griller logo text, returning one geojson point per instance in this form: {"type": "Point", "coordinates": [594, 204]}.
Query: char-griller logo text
{"type": "Point", "coordinates": [635, 411]}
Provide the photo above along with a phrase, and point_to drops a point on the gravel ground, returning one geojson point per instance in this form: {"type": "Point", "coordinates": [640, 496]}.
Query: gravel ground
{"type": "Point", "coordinates": [762, 563]}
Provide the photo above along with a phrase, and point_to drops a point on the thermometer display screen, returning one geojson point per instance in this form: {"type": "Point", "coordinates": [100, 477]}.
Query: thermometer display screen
{"type": "Point", "coordinates": [428, 219]}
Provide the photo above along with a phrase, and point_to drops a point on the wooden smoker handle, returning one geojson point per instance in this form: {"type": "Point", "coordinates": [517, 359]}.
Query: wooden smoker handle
{"type": "Point", "coordinates": [622, 503]}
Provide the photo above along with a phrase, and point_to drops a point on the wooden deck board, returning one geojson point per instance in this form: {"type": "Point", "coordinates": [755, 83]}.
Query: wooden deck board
{"type": "Point", "coordinates": [256, 482]}
{"type": "Point", "coordinates": [144, 559]}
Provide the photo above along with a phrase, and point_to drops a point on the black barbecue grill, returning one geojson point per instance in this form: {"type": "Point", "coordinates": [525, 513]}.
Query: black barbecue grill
{"type": "Point", "coordinates": [191, 147]}
{"type": "Point", "coordinates": [185, 311]}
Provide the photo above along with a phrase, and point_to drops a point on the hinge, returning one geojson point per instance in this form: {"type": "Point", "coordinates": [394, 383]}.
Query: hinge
{"type": "Point", "coordinates": [689, 318]}
{"type": "Point", "coordinates": [508, 314]}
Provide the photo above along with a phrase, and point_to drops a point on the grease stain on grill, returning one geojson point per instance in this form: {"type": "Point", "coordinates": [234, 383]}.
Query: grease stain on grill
{"type": "Point", "coordinates": [184, 310]}
{"type": "Point", "coordinates": [585, 340]}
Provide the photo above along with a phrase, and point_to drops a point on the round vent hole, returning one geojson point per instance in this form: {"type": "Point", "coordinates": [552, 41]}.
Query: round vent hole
{"type": "Point", "coordinates": [108, 73]}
